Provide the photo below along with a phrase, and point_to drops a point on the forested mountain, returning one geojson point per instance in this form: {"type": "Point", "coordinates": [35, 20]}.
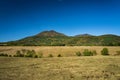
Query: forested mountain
{"type": "Point", "coordinates": [53, 38]}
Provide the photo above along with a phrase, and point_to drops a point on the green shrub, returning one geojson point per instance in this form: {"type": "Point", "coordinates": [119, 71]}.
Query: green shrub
{"type": "Point", "coordinates": [30, 53]}
{"type": "Point", "coordinates": [86, 52]}
{"type": "Point", "coordinates": [1, 54]}
{"type": "Point", "coordinates": [50, 55]}
{"type": "Point", "coordinates": [104, 51]}
{"type": "Point", "coordinates": [78, 53]}
{"type": "Point", "coordinates": [59, 55]}
{"type": "Point", "coordinates": [4, 54]}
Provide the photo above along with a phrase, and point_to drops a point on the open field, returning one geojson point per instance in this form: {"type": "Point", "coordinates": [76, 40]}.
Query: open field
{"type": "Point", "coordinates": [68, 67]}
{"type": "Point", "coordinates": [65, 51]}
{"type": "Point", "coordinates": [60, 68]}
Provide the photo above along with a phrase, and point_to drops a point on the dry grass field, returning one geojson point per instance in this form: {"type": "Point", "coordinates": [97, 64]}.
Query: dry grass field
{"type": "Point", "coordinates": [68, 67]}
{"type": "Point", "coordinates": [60, 68]}
{"type": "Point", "coordinates": [66, 51]}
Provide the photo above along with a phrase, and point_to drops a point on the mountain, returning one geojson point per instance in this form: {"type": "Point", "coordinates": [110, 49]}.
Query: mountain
{"type": "Point", "coordinates": [50, 33]}
{"type": "Point", "coordinates": [53, 38]}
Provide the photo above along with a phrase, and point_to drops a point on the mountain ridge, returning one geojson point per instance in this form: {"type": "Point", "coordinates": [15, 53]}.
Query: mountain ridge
{"type": "Point", "coordinates": [53, 38]}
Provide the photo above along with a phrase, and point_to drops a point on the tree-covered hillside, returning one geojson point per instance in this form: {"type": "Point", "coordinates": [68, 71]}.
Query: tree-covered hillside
{"type": "Point", "coordinates": [53, 38]}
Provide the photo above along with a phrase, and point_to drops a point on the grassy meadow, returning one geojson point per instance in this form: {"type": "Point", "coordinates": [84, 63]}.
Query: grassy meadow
{"type": "Point", "coordinates": [68, 67]}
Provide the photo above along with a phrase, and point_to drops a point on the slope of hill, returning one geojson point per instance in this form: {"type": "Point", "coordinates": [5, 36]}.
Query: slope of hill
{"type": "Point", "coordinates": [53, 38]}
{"type": "Point", "coordinates": [50, 33]}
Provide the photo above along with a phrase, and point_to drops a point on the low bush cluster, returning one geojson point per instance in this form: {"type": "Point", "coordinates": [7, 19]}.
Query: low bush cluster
{"type": "Point", "coordinates": [26, 53]}
{"type": "Point", "coordinates": [86, 52]}
{"type": "Point", "coordinates": [3, 54]}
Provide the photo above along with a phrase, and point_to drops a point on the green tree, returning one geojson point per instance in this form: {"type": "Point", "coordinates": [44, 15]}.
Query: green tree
{"type": "Point", "coordinates": [104, 51]}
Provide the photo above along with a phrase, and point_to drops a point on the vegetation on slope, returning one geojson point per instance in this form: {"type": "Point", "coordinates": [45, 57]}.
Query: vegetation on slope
{"type": "Point", "coordinates": [53, 38]}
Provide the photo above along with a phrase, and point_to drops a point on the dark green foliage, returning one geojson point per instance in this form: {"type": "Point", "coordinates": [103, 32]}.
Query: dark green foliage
{"type": "Point", "coordinates": [78, 53]}
{"type": "Point", "coordinates": [4, 54]}
{"type": "Point", "coordinates": [86, 52]}
{"type": "Point", "coordinates": [1, 54]}
{"type": "Point", "coordinates": [10, 55]}
{"type": "Point", "coordinates": [59, 55]}
{"type": "Point", "coordinates": [50, 55]}
{"type": "Point", "coordinates": [104, 51]}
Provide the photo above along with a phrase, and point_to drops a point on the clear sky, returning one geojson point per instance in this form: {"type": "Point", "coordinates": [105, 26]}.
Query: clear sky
{"type": "Point", "coordinates": [22, 18]}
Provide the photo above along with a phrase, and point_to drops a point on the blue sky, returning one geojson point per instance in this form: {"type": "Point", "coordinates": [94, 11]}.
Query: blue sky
{"type": "Point", "coordinates": [22, 18]}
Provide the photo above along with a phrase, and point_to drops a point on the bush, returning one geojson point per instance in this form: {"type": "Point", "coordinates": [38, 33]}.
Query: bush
{"type": "Point", "coordinates": [59, 55]}
{"type": "Point", "coordinates": [86, 52]}
{"type": "Point", "coordinates": [50, 55]}
{"type": "Point", "coordinates": [30, 53]}
{"type": "Point", "coordinates": [10, 55]}
{"type": "Point", "coordinates": [104, 51]}
{"type": "Point", "coordinates": [4, 54]}
{"type": "Point", "coordinates": [1, 54]}
{"type": "Point", "coordinates": [78, 53]}
{"type": "Point", "coordinates": [35, 56]}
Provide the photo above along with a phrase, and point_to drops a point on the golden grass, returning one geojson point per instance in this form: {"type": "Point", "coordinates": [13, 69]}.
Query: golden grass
{"type": "Point", "coordinates": [63, 68]}
{"type": "Point", "coordinates": [55, 50]}
{"type": "Point", "coordinates": [68, 67]}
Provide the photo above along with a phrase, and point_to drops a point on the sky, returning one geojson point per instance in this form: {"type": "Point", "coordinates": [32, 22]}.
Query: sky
{"type": "Point", "coordinates": [22, 18]}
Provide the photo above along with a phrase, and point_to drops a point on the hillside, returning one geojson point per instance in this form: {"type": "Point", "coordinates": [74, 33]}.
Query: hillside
{"type": "Point", "coordinates": [53, 38]}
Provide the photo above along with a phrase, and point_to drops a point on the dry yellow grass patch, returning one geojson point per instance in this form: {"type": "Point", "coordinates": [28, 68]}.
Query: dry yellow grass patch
{"type": "Point", "coordinates": [64, 68]}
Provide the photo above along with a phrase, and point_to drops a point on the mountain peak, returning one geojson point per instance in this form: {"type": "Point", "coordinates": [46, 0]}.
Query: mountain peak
{"type": "Point", "coordinates": [50, 33]}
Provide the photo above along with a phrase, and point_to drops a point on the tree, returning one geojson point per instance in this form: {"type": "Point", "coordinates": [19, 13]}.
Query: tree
{"type": "Point", "coordinates": [104, 51]}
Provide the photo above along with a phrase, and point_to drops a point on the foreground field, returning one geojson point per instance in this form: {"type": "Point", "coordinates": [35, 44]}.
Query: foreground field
{"type": "Point", "coordinates": [65, 51]}
{"type": "Point", "coordinates": [62, 68]}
